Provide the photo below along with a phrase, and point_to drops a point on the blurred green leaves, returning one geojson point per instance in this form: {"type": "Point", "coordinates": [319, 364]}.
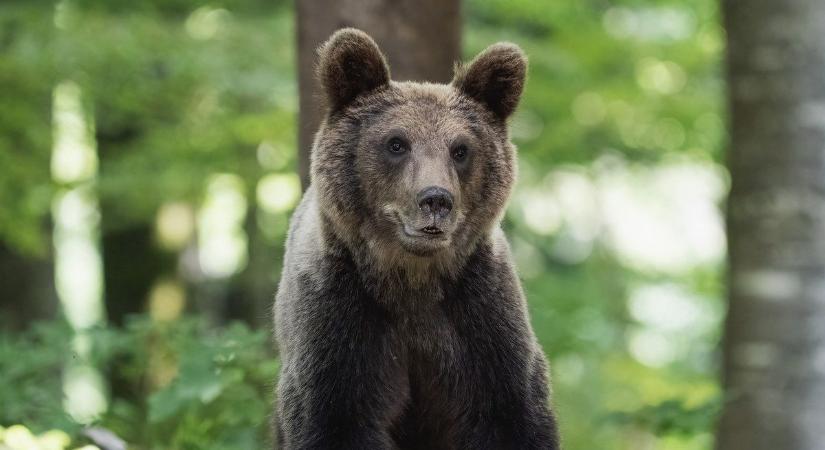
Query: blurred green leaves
{"type": "Point", "coordinates": [201, 387]}
{"type": "Point", "coordinates": [30, 367]}
{"type": "Point", "coordinates": [26, 82]}
{"type": "Point", "coordinates": [672, 417]}
{"type": "Point", "coordinates": [174, 98]}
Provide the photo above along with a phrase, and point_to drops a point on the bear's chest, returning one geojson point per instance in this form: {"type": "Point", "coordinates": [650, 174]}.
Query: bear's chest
{"type": "Point", "coordinates": [439, 342]}
{"type": "Point", "coordinates": [433, 353]}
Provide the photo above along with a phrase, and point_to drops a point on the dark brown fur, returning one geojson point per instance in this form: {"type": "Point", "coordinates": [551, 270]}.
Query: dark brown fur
{"type": "Point", "coordinates": [392, 338]}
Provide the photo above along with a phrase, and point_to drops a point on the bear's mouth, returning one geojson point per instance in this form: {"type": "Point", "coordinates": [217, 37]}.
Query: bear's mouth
{"type": "Point", "coordinates": [423, 243]}
{"type": "Point", "coordinates": [428, 232]}
{"type": "Point", "coordinates": [420, 239]}
{"type": "Point", "coordinates": [432, 230]}
{"type": "Point", "coordinates": [419, 235]}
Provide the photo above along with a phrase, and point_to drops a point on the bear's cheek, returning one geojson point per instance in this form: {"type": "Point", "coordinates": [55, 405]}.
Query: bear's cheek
{"type": "Point", "coordinates": [485, 189]}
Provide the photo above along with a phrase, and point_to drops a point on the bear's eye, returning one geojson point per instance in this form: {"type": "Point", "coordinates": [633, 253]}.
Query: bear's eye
{"type": "Point", "coordinates": [459, 153]}
{"type": "Point", "coordinates": [396, 146]}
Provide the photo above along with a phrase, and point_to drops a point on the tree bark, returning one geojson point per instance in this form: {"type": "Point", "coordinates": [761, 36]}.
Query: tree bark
{"type": "Point", "coordinates": [421, 39]}
{"type": "Point", "coordinates": [774, 350]}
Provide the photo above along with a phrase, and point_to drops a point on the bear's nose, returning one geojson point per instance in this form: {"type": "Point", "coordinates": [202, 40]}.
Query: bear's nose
{"type": "Point", "coordinates": [436, 201]}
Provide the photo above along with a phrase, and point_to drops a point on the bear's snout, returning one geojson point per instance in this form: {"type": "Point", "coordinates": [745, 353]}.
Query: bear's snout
{"type": "Point", "coordinates": [435, 201]}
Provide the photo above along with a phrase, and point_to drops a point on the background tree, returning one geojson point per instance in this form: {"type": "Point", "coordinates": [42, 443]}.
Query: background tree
{"type": "Point", "coordinates": [774, 348]}
{"type": "Point", "coordinates": [421, 40]}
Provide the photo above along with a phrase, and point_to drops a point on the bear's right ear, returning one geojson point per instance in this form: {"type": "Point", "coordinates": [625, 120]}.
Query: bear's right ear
{"type": "Point", "coordinates": [350, 64]}
{"type": "Point", "coordinates": [495, 78]}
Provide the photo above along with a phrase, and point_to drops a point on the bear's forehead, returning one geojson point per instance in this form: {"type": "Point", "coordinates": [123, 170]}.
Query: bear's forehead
{"type": "Point", "coordinates": [413, 89]}
{"type": "Point", "coordinates": [429, 108]}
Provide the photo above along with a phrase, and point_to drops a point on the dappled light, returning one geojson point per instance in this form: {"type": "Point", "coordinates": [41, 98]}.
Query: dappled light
{"type": "Point", "coordinates": [78, 264]}
{"type": "Point", "coordinates": [278, 193]}
{"type": "Point", "coordinates": [221, 237]}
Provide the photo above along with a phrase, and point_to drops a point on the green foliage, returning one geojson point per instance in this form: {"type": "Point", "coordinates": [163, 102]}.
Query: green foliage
{"type": "Point", "coordinates": [26, 80]}
{"type": "Point", "coordinates": [651, 69]}
{"type": "Point", "coordinates": [219, 397]}
{"type": "Point", "coordinates": [671, 417]}
{"type": "Point", "coordinates": [174, 97]}
{"type": "Point", "coordinates": [30, 367]}
{"type": "Point", "coordinates": [198, 387]}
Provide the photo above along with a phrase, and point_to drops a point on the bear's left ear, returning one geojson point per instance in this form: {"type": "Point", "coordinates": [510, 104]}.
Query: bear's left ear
{"type": "Point", "coordinates": [350, 64]}
{"type": "Point", "coordinates": [495, 78]}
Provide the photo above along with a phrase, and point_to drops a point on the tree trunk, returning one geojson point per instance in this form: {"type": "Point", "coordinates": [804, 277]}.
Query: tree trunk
{"type": "Point", "coordinates": [27, 290]}
{"type": "Point", "coordinates": [421, 39]}
{"type": "Point", "coordinates": [132, 265]}
{"type": "Point", "coordinates": [774, 368]}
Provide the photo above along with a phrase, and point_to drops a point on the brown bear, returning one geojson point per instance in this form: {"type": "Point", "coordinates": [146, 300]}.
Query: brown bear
{"type": "Point", "coordinates": [400, 319]}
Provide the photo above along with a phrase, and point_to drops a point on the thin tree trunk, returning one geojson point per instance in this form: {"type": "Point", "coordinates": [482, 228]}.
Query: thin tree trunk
{"type": "Point", "coordinates": [131, 260]}
{"type": "Point", "coordinates": [774, 368]}
{"type": "Point", "coordinates": [132, 265]}
{"type": "Point", "coordinates": [27, 290]}
{"type": "Point", "coordinates": [421, 39]}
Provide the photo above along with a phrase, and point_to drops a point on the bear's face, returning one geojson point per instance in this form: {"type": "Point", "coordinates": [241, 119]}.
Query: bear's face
{"type": "Point", "coordinates": [422, 168]}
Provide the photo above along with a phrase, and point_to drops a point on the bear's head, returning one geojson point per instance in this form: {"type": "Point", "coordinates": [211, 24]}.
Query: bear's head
{"type": "Point", "coordinates": [411, 171]}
